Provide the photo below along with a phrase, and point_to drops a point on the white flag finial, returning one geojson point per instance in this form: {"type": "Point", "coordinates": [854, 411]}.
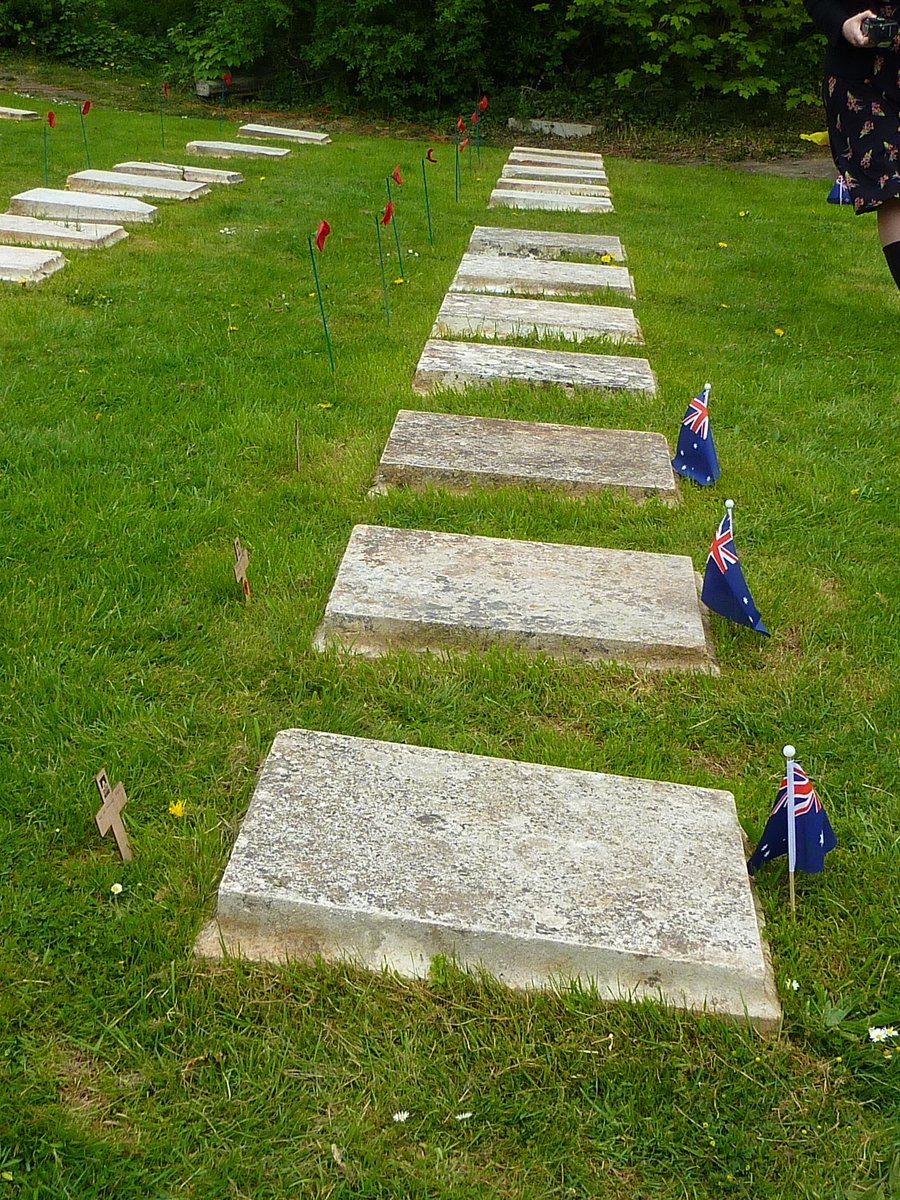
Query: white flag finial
{"type": "Point", "coordinates": [789, 752]}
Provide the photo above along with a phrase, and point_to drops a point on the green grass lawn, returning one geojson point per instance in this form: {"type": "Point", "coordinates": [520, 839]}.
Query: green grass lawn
{"type": "Point", "coordinates": [150, 394]}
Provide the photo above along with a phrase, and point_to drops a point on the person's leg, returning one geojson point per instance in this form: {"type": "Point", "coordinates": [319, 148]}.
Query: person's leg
{"type": "Point", "coordinates": [889, 233]}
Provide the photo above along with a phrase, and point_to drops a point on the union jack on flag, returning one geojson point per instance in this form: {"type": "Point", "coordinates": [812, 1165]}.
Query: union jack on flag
{"type": "Point", "coordinates": [725, 590]}
{"type": "Point", "coordinates": [695, 455]}
{"type": "Point", "coordinates": [814, 837]}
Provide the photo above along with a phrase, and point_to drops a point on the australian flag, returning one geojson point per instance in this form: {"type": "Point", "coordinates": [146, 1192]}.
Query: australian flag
{"type": "Point", "coordinates": [814, 835]}
{"type": "Point", "coordinates": [695, 456]}
{"type": "Point", "coordinates": [724, 589]}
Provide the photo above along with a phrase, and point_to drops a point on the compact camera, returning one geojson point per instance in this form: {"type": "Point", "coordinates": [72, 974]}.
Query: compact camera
{"type": "Point", "coordinates": [880, 32]}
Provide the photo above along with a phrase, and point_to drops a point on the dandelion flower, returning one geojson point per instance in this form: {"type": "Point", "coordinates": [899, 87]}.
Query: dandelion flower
{"type": "Point", "coordinates": [325, 405]}
{"type": "Point", "coordinates": [724, 306]}
{"type": "Point", "coordinates": [779, 332]}
{"type": "Point", "coordinates": [262, 179]}
{"type": "Point", "coordinates": [116, 889]}
{"type": "Point", "coordinates": [606, 258]}
{"type": "Point", "coordinates": [400, 1117]}
{"type": "Point", "coordinates": [744, 212]}
{"type": "Point", "coordinates": [723, 245]}
{"type": "Point", "coordinates": [232, 328]}
{"type": "Point", "coordinates": [176, 809]}
{"type": "Point", "coordinates": [399, 281]}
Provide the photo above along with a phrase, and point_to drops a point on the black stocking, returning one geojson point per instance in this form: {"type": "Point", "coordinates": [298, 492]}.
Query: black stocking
{"type": "Point", "coordinates": [892, 255]}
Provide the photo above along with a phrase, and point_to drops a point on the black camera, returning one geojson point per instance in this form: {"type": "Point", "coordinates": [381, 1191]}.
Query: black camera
{"type": "Point", "coordinates": [880, 32]}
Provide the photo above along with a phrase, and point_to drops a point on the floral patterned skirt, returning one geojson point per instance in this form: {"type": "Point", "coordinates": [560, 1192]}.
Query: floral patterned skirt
{"type": "Point", "coordinates": [864, 127]}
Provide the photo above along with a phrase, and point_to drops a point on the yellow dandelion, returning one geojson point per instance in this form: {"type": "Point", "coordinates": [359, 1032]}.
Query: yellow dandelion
{"type": "Point", "coordinates": [779, 332]}
{"type": "Point", "coordinates": [325, 406]}
{"type": "Point", "coordinates": [744, 212]}
{"type": "Point", "coordinates": [399, 281]}
{"type": "Point", "coordinates": [82, 370]}
{"type": "Point", "coordinates": [312, 295]}
{"type": "Point", "coordinates": [262, 179]}
{"type": "Point", "coordinates": [606, 258]}
{"type": "Point", "coordinates": [724, 306]}
{"type": "Point", "coordinates": [723, 245]}
{"type": "Point", "coordinates": [176, 808]}
{"type": "Point", "coordinates": [232, 328]}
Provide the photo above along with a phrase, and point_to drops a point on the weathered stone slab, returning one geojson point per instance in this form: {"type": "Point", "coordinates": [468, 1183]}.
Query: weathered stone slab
{"type": "Point", "coordinates": [458, 365]}
{"type": "Point", "coordinates": [545, 152]}
{"type": "Point", "coordinates": [115, 183]}
{"type": "Point", "coordinates": [503, 197]}
{"type": "Point", "coordinates": [502, 274]}
{"type": "Point", "coordinates": [31, 231]}
{"type": "Point", "coordinates": [284, 134]}
{"type": "Point", "coordinates": [565, 129]}
{"type": "Point", "coordinates": [175, 171]}
{"type": "Point", "coordinates": [235, 150]}
{"type": "Point", "coordinates": [82, 206]}
{"type": "Point", "coordinates": [532, 243]}
{"type": "Point", "coordinates": [17, 114]}
{"type": "Point", "coordinates": [565, 174]}
{"type": "Point", "coordinates": [498, 317]}
{"type": "Point", "coordinates": [454, 452]}
{"type": "Point", "coordinates": [18, 265]}
{"type": "Point", "coordinates": [553, 187]}
{"type": "Point", "coordinates": [419, 590]}
{"type": "Point", "coordinates": [388, 854]}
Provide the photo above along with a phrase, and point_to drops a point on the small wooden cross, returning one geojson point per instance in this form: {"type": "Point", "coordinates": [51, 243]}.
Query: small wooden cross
{"type": "Point", "coordinates": [241, 561]}
{"type": "Point", "coordinates": [110, 814]}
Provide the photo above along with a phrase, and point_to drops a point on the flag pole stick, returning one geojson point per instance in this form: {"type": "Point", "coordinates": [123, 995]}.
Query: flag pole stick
{"type": "Point", "coordinates": [87, 153]}
{"type": "Point", "coordinates": [46, 159]}
{"type": "Point", "coordinates": [427, 204]}
{"type": "Point", "coordinates": [470, 156]}
{"type": "Point", "coordinates": [312, 259]}
{"type": "Point", "coordinates": [478, 136]}
{"type": "Point", "coordinates": [384, 289]}
{"type": "Point", "coordinates": [396, 231]}
{"type": "Point", "coordinates": [456, 168]}
{"type": "Point", "coordinates": [789, 753]}
{"type": "Point", "coordinates": [162, 124]}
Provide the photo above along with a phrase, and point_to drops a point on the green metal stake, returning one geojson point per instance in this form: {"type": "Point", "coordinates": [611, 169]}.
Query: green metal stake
{"type": "Point", "coordinates": [396, 231]}
{"type": "Point", "coordinates": [470, 154]}
{"type": "Point", "coordinates": [46, 159]}
{"type": "Point", "coordinates": [478, 139]}
{"type": "Point", "coordinates": [87, 153]}
{"type": "Point", "coordinates": [427, 204]}
{"type": "Point", "coordinates": [384, 287]}
{"type": "Point", "coordinates": [456, 168]}
{"type": "Point", "coordinates": [312, 259]}
{"type": "Point", "coordinates": [162, 126]}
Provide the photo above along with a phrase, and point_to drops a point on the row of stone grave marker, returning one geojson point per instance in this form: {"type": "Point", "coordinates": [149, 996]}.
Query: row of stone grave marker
{"type": "Point", "coordinates": [95, 205]}
{"type": "Point", "coordinates": [390, 854]}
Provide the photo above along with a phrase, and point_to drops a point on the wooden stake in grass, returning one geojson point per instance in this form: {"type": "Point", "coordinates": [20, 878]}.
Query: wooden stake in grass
{"type": "Point", "coordinates": [789, 753]}
{"type": "Point", "coordinates": [110, 813]}
{"type": "Point", "coordinates": [51, 124]}
{"type": "Point", "coordinates": [321, 234]}
{"type": "Point", "coordinates": [429, 157]}
{"type": "Point", "coordinates": [85, 109]}
{"type": "Point", "coordinates": [163, 97]}
{"type": "Point", "coordinates": [397, 178]}
{"type": "Point", "coordinates": [241, 562]}
{"type": "Point", "coordinates": [384, 219]}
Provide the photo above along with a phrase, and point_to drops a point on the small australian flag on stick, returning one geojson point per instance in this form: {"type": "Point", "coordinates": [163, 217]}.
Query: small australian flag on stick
{"type": "Point", "coordinates": [806, 838]}
{"type": "Point", "coordinates": [725, 590]}
{"type": "Point", "coordinates": [695, 455]}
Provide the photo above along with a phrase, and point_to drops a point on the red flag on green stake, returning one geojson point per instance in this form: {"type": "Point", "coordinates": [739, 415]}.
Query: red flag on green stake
{"type": "Point", "coordinates": [482, 104]}
{"type": "Point", "coordinates": [460, 125]}
{"type": "Point", "coordinates": [226, 78]}
{"type": "Point", "coordinates": [463, 143]}
{"type": "Point", "coordinates": [388, 214]}
{"type": "Point", "coordinates": [51, 119]}
{"type": "Point", "coordinates": [85, 108]}
{"type": "Point", "coordinates": [396, 176]}
{"type": "Point", "coordinates": [429, 154]}
{"type": "Point", "coordinates": [321, 234]}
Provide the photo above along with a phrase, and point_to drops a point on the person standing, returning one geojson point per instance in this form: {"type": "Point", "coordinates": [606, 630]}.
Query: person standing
{"type": "Point", "coordinates": [861, 91]}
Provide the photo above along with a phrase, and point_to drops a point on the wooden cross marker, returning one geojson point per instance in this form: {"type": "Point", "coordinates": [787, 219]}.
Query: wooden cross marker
{"type": "Point", "coordinates": [241, 561]}
{"type": "Point", "coordinates": [110, 814]}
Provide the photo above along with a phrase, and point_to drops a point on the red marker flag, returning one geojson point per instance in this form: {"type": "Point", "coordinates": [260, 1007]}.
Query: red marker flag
{"type": "Point", "coordinates": [430, 155]}
{"type": "Point", "coordinates": [463, 143]}
{"type": "Point", "coordinates": [165, 91]}
{"type": "Point", "coordinates": [482, 104]}
{"type": "Point", "coordinates": [226, 78]}
{"type": "Point", "coordinates": [388, 214]}
{"type": "Point", "coordinates": [474, 118]}
{"type": "Point", "coordinates": [396, 176]}
{"type": "Point", "coordinates": [51, 119]}
{"type": "Point", "coordinates": [85, 108]}
{"type": "Point", "coordinates": [321, 234]}
{"type": "Point", "coordinates": [460, 125]}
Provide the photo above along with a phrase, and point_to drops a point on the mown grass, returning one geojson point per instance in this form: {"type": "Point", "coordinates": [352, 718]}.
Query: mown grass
{"type": "Point", "coordinates": [150, 395]}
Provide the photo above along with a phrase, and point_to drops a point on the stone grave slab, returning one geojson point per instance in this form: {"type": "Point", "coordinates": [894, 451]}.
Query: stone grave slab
{"type": "Point", "coordinates": [498, 317]}
{"type": "Point", "coordinates": [116, 183]}
{"type": "Point", "coordinates": [31, 231]}
{"type": "Point", "coordinates": [566, 174]}
{"type": "Point", "coordinates": [553, 187]}
{"type": "Point", "coordinates": [414, 589]}
{"type": "Point", "coordinates": [503, 197]}
{"type": "Point", "coordinates": [175, 171]}
{"type": "Point", "coordinates": [533, 243]}
{"type": "Point", "coordinates": [566, 129]}
{"type": "Point", "coordinates": [543, 152]}
{"type": "Point", "coordinates": [454, 452]}
{"type": "Point", "coordinates": [82, 206]}
{"type": "Point", "coordinates": [386, 855]}
{"type": "Point", "coordinates": [503, 275]}
{"type": "Point", "coordinates": [18, 265]}
{"type": "Point", "coordinates": [236, 150]}
{"type": "Point", "coordinates": [17, 114]}
{"type": "Point", "coordinates": [459, 365]}
{"type": "Point", "coordinates": [284, 134]}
